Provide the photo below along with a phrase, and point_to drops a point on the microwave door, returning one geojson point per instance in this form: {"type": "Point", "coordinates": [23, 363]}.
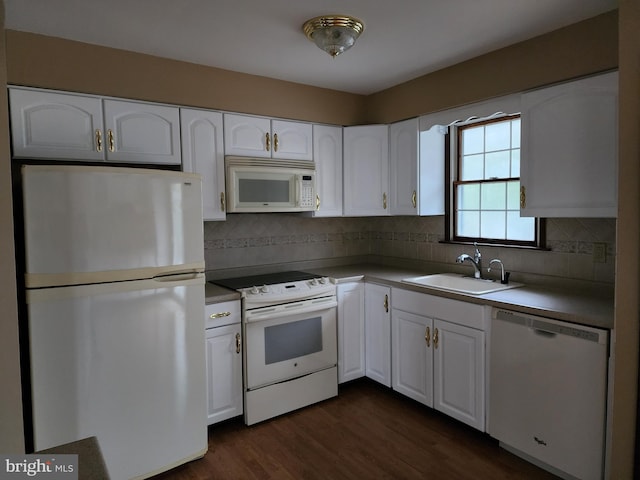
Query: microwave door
{"type": "Point", "coordinates": [277, 189]}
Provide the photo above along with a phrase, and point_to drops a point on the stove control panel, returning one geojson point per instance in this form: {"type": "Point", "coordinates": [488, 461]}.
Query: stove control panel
{"type": "Point", "coordinates": [283, 292]}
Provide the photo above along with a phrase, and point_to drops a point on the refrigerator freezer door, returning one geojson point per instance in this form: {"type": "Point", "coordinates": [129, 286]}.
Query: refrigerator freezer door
{"type": "Point", "coordinates": [124, 362]}
{"type": "Point", "coordinates": [98, 224]}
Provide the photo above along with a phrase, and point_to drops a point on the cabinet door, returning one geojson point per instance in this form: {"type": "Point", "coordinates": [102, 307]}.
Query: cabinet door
{"type": "Point", "coordinates": [56, 126]}
{"type": "Point", "coordinates": [247, 136]}
{"type": "Point", "coordinates": [142, 133]}
{"type": "Point", "coordinates": [366, 170]}
{"type": "Point", "coordinates": [203, 153]}
{"type": "Point", "coordinates": [351, 359]}
{"type": "Point", "coordinates": [569, 149]}
{"type": "Point", "coordinates": [458, 376]}
{"type": "Point", "coordinates": [403, 171]}
{"type": "Point", "coordinates": [292, 140]}
{"type": "Point", "coordinates": [224, 373]}
{"type": "Point", "coordinates": [327, 153]}
{"type": "Point", "coordinates": [378, 333]}
{"type": "Point", "coordinates": [412, 357]}
{"type": "Point", "coordinates": [431, 171]}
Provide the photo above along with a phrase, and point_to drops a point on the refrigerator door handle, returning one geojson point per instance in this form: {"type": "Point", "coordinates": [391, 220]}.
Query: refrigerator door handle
{"type": "Point", "coordinates": [195, 277]}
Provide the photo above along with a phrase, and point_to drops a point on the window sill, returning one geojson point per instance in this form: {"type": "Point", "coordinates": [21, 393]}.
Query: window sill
{"type": "Point", "coordinates": [498, 245]}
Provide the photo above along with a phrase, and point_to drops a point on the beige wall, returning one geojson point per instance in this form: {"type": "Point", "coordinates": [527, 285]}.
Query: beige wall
{"type": "Point", "coordinates": [628, 241]}
{"type": "Point", "coordinates": [40, 61]}
{"type": "Point", "coordinates": [11, 434]}
{"type": "Point", "coordinates": [586, 47]}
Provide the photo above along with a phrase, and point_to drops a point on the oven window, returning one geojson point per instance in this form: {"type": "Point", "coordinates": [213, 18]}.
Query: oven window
{"type": "Point", "coordinates": [259, 190]}
{"type": "Point", "coordinates": [288, 341]}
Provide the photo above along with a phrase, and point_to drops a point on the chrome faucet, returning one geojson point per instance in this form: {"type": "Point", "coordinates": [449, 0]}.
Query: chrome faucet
{"type": "Point", "coordinates": [504, 276]}
{"type": "Point", "coordinates": [476, 261]}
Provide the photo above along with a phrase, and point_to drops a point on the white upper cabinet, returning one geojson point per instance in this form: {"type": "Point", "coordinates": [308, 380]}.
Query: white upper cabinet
{"type": "Point", "coordinates": [64, 126]}
{"type": "Point", "coordinates": [203, 153]}
{"type": "Point", "coordinates": [141, 132]}
{"type": "Point", "coordinates": [570, 149]}
{"type": "Point", "coordinates": [403, 172]}
{"type": "Point", "coordinates": [327, 153]}
{"type": "Point", "coordinates": [56, 125]}
{"type": "Point", "coordinates": [417, 161]}
{"type": "Point", "coordinates": [431, 176]}
{"type": "Point", "coordinates": [366, 170]}
{"type": "Point", "coordinates": [251, 136]}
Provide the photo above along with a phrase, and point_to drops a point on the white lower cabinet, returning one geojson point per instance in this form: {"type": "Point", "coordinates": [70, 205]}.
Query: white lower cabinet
{"type": "Point", "coordinates": [438, 354]}
{"type": "Point", "coordinates": [351, 358]}
{"type": "Point", "coordinates": [412, 357]}
{"type": "Point", "coordinates": [377, 326]}
{"type": "Point", "coordinates": [224, 361]}
{"type": "Point", "coordinates": [458, 372]}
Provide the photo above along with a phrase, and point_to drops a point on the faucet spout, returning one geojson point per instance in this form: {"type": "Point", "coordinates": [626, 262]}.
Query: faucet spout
{"type": "Point", "coordinates": [476, 261]}
{"type": "Point", "coordinates": [477, 267]}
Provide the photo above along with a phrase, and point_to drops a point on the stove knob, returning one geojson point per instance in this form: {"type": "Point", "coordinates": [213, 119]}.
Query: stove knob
{"type": "Point", "coordinates": [254, 290]}
{"type": "Point", "coordinates": [324, 280]}
{"type": "Point", "coordinates": [313, 282]}
{"type": "Point", "coordinates": [264, 289]}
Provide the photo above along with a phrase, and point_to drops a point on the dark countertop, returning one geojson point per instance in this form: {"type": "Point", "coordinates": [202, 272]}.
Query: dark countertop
{"type": "Point", "coordinates": [585, 307]}
{"type": "Point", "coordinates": [216, 294]}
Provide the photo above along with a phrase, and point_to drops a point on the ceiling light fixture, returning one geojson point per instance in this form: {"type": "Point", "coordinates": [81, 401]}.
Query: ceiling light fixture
{"type": "Point", "coordinates": [334, 34]}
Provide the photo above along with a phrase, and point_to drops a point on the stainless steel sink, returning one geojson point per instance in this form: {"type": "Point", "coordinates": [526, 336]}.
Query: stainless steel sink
{"type": "Point", "coordinates": [454, 282]}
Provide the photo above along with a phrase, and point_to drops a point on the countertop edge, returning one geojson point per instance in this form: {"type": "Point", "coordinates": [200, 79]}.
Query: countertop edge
{"type": "Point", "coordinates": [570, 306]}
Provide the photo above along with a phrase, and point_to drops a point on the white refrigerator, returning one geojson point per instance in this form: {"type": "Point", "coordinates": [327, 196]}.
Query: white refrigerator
{"type": "Point", "coordinates": [115, 300]}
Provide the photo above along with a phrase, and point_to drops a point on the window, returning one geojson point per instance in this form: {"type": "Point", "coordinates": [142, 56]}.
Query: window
{"type": "Point", "coordinates": [485, 191]}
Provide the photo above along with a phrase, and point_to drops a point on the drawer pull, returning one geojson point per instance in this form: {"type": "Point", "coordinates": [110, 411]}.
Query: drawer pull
{"type": "Point", "coordinates": [220, 315]}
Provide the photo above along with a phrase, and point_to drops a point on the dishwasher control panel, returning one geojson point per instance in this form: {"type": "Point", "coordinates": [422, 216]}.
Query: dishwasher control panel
{"type": "Point", "coordinates": [553, 327]}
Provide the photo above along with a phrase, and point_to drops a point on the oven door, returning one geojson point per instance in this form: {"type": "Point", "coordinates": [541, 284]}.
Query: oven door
{"type": "Point", "coordinates": [288, 341]}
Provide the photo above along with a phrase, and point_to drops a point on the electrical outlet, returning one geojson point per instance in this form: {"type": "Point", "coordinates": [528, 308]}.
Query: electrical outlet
{"type": "Point", "coordinates": [599, 252]}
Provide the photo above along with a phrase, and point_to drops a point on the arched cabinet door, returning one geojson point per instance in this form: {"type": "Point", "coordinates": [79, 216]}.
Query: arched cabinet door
{"type": "Point", "coordinates": [56, 125]}
{"type": "Point", "coordinates": [203, 153]}
{"type": "Point", "coordinates": [570, 149]}
{"type": "Point", "coordinates": [252, 136]}
{"type": "Point", "coordinates": [141, 133]}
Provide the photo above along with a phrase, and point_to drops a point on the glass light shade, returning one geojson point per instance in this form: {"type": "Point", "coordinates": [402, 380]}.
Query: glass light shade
{"type": "Point", "coordinates": [333, 33]}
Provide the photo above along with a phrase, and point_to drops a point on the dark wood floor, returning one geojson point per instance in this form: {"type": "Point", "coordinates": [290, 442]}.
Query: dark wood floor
{"type": "Point", "coordinates": [367, 432]}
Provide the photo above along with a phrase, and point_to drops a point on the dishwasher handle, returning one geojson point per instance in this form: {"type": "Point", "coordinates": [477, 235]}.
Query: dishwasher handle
{"type": "Point", "coordinates": [544, 333]}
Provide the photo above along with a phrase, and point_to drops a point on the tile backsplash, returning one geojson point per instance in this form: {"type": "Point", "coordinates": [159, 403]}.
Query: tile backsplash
{"type": "Point", "coordinates": [250, 240]}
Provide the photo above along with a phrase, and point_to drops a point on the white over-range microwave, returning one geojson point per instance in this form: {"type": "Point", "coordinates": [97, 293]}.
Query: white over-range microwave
{"type": "Point", "coordinates": [270, 185]}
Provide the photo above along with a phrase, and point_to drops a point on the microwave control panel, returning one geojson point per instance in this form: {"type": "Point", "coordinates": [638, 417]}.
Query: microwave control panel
{"type": "Point", "coordinates": [306, 190]}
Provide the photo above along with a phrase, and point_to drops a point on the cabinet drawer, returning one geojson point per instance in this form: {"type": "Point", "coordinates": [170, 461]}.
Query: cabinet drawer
{"type": "Point", "coordinates": [223, 313]}
{"type": "Point", "coordinates": [455, 311]}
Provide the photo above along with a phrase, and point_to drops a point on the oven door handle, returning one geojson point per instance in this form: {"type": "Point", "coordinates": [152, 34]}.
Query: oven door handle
{"type": "Point", "coordinates": [295, 308]}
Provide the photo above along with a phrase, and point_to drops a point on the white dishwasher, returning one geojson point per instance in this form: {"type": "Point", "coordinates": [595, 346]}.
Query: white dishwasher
{"type": "Point", "coordinates": [547, 387]}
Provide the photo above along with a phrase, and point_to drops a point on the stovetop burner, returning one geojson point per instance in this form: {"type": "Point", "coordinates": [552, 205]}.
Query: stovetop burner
{"type": "Point", "coordinates": [265, 279]}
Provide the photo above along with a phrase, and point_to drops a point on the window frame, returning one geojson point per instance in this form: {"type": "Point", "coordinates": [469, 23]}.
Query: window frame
{"type": "Point", "coordinates": [453, 158]}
